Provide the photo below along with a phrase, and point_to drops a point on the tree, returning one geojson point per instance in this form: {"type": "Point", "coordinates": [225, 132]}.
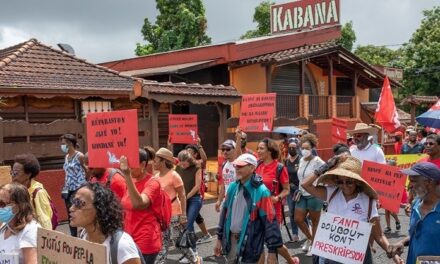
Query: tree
{"type": "Point", "coordinates": [180, 24]}
{"type": "Point", "coordinates": [262, 18]}
{"type": "Point", "coordinates": [421, 57]}
{"type": "Point", "coordinates": [348, 36]}
{"type": "Point", "coordinates": [379, 55]}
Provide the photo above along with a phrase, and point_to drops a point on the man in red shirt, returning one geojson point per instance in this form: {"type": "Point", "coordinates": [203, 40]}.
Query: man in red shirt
{"type": "Point", "coordinates": [398, 142]}
{"type": "Point", "coordinates": [432, 148]}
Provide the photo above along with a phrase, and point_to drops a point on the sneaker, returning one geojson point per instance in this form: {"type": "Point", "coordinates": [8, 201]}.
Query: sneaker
{"type": "Point", "coordinates": [387, 230]}
{"type": "Point", "coordinates": [306, 245]}
{"type": "Point", "coordinates": [204, 239]}
{"type": "Point", "coordinates": [398, 226]}
{"type": "Point", "coordinates": [309, 252]}
{"type": "Point", "coordinates": [184, 260]}
{"type": "Point", "coordinates": [295, 238]}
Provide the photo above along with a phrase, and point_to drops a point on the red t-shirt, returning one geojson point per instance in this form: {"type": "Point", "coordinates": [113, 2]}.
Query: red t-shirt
{"type": "Point", "coordinates": [397, 147]}
{"type": "Point", "coordinates": [436, 161]}
{"type": "Point", "coordinates": [117, 183]}
{"type": "Point", "coordinates": [269, 173]}
{"type": "Point", "coordinates": [142, 225]}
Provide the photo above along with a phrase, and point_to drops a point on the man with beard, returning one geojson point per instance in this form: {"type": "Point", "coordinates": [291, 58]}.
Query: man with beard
{"type": "Point", "coordinates": [244, 149]}
{"type": "Point", "coordinates": [412, 146]}
{"type": "Point", "coordinates": [362, 149]}
{"type": "Point", "coordinates": [424, 231]}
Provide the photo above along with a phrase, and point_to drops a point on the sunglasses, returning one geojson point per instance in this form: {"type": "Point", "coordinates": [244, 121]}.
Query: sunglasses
{"type": "Point", "coordinates": [225, 149]}
{"type": "Point", "coordinates": [78, 203]}
{"type": "Point", "coordinates": [346, 182]}
{"type": "Point", "coordinates": [429, 143]}
{"type": "Point", "coordinates": [14, 173]}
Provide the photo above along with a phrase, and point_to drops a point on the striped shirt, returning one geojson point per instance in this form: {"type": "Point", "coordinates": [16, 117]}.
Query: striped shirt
{"type": "Point", "coordinates": [75, 175]}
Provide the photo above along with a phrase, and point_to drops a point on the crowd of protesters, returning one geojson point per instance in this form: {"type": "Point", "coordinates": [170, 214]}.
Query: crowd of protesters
{"type": "Point", "coordinates": [123, 203]}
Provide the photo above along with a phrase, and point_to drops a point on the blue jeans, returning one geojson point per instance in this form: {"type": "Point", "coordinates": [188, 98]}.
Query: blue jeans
{"type": "Point", "coordinates": [193, 206]}
{"type": "Point", "coordinates": [291, 205]}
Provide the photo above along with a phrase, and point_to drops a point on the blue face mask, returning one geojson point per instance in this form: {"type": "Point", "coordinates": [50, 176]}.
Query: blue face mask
{"type": "Point", "coordinates": [6, 214]}
{"type": "Point", "coordinates": [64, 148]}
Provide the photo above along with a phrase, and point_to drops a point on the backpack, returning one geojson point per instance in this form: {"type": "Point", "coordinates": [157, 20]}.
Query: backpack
{"type": "Point", "coordinates": [114, 244]}
{"type": "Point", "coordinates": [112, 173]}
{"type": "Point", "coordinates": [280, 167]}
{"type": "Point", "coordinates": [54, 219]}
{"type": "Point", "coordinates": [162, 211]}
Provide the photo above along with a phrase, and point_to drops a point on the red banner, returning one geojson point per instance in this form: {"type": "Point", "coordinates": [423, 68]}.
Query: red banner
{"type": "Point", "coordinates": [339, 128]}
{"type": "Point", "coordinates": [183, 129]}
{"type": "Point", "coordinates": [387, 181]}
{"type": "Point", "coordinates": [257, 112]}
{"type": "Point", "coordinates": [386, 113]}
{"type": "Point", "coordinates": [111, 135]}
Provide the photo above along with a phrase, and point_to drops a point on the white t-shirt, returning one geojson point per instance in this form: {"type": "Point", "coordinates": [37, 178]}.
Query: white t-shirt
{"type": "Point", "coordinates": [356, 208]}
{"type": "Point", "coordinates": [126, 247]}
{"type": "Point", "coordinates": [26, 238]}
{"type": "Point", "coordinates": [306, 169]}
{"type": "Point", "coordinates": [371, 153]}
{"type": "Point", "coordinates": [228, 173]}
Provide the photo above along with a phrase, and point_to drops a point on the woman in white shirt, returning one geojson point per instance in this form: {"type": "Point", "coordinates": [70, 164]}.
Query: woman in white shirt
{"type": "Point", "coordinates": [18, 233]}
{"type": "Point", "coordinates": [98, 211]}
{"type": "Point", "coordinates": [349, 195]}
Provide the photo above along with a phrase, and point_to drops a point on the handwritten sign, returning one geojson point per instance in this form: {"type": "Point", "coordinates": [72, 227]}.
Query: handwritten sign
{"type": "Point", "coordinates": [183, 129]}
{"type": "Point", "coordinates": [111, 135]}
{"type": "Point", "coordinates": [257, 112]}
{"type": "Point", "coordinates": [5, 175]}
{"type": "Point", "coordinates": [339, 128]}
{"type": "Point", "coordinates": [428, 260]}
{"type": "Point", "coordinates": [405, 161]}
{"type": "Point", "coordinates": [387, 181]}
{"type": "Point", "coordinates": [56, 247]}
{"type": "Point", "coordinates": [341, 239]}
{"type": "Point", "coordinates": [9, 258]}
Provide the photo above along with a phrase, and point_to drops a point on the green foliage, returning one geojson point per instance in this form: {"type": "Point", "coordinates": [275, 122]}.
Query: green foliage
{"type": "Point", "coordinates": [180, 24]}
{"type": "Point", "coordinates": [348, 36]}
{"type": "Point", "coordinates": [379, 55]}
{"type": "Point", "coordinates": [262, 18]}
{"type": "Point", "coordinates": [422, 57]}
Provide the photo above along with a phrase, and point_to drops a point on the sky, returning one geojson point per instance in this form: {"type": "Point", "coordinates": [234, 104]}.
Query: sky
{"type": "Point", "coordinates": [106, 30]}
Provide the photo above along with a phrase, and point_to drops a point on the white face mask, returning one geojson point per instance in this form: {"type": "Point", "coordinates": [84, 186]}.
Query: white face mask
{"type": "Point", "coordinates": [306, 153]}
{"type": "Point", "coordinates": [64, 148]}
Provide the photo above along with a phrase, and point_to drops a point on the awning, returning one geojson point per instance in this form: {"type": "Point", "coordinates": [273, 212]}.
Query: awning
{"type": "Point", "coordinates": [172, 69]}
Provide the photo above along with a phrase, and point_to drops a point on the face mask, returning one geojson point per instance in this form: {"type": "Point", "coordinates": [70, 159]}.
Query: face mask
{"type": "Point", "coordinates": [64, 148]}
{"type": "Point", "coordinates": [306, 153]}
{"type": "Point", "coordinates": [292, 152]}
{"type": "Point", "coordinates": [6, 214]}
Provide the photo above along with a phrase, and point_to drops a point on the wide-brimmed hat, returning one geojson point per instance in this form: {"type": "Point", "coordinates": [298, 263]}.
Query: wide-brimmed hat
{"type": "Point", "coordinates": [363, 128]}
{"type": "Point", "coordinates": [165, 154]}
{"type": "Point", "coordinates": [350, 168]}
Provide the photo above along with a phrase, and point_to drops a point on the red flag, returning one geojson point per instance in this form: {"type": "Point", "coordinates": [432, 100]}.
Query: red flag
{"type": "Point", "coordinates": [339, 134]}
{"type": "Point", "coordinates": [386, 112]}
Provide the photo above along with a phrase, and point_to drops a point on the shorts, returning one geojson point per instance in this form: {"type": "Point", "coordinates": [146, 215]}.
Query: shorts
{"type": "Point", "coordinates": [309, 203]}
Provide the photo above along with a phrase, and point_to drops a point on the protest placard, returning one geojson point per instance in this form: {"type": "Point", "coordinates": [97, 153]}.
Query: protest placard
{"type": "Point", "coordinates": [428, 260]}
{"type": "Point", "coordinates": [5, 175]}
{"type": "Point", "coordinates": [257, 112]}
{"type": "Point", "coordinates": [111, 135]}
{"type": "Point", "coordinates": [405, 161]}
{"type": "Point", "coordinates": [387, 181]}
{"type": "Point", "coordinates": [9, 258]}
{"type": "Point", "coordinates": [56, 247]}
{"type": "Point", "coordinates": [183, 129]}
{"type": "Point", "coordinates": [341, 239]}
{"type": "Point", "coordinates": [339, 128]}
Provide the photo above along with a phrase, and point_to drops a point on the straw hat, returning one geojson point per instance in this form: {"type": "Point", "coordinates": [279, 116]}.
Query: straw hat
{"type": "Point", "coordinates": [350, 168]}
{"type": "Point", "coordinates": [363, 128]}
{"type": "Point", "coordinates": [165, 154]}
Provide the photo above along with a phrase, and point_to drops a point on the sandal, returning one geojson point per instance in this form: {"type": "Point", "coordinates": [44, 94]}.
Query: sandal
{"type": "Point", "coordinates": [295, 260]}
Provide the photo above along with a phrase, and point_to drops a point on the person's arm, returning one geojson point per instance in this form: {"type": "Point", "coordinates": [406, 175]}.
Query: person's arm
{"type": "Point", "coordinates": [202, 152]}
{"type": "Point", "coordinates": [237, 142]}
{"type": "Point", "coordinates": [397, 248]}
{"type": "Point", "coordinates": [138, 200]}
{"type": "Point", "coordinates": [43, 210]}
{"type": "Point", "coordinates": [284, 193]}
{"type": "Point", "coordinates": [133, 261]}
{"type": "Point", "coordinates": [221, 188]}
{"type": "Point", "coordinates": [82, 162]}
{"type": "Point", "coordinates": [197, 185]}
{"type": "Point", "coordinates": [182, 198]}
{"type": "Point", "coordinates": [169, 144]}
{"type": "Point", "coordinates": [29, 255]}
{"type": "Point", "coordinates": [379, 236]}
{"type": "Point", "coordinates": [319, 192]}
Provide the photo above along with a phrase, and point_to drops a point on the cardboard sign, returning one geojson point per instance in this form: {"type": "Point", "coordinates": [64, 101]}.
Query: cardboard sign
{"type": "Point", "coordinates": [428, 260]}
{"type": "Point", "coordinates": [257, 112]}
{"type": "Point", "coordinates": [5, 175]}
{"type": "Point", "coordinates": [9, 258]}
{"type": "Point", "coordinates": [183, 129]}
{"type": "Point", "coordinates": [303, 15]}
{"type": "Point", "coordinates": [111, 135]}
{"type": "Point", "coordinates": [339, 128]}
{"type": "Point", "coordinates": [56, 247]}
{"type": "Point", "coordinates": [405, 161]}
{"type": "Point", "coordinates": [341, 239]}
{"type": "Point", "coordinates": [387, 181]}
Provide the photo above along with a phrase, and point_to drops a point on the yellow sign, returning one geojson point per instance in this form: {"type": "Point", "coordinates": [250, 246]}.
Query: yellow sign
{"type": "Point", "coordinates": [405, 161]}
{"type": "Point", "coordinates": [5, 175]}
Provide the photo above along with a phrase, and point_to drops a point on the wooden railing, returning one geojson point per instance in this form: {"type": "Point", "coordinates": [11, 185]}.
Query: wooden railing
{"type": "Point", "coordinates": [288, 105]}
{"type": "Point", "coordinates": [318, 106]}
{"type": "Point", "coordinates": [344, 106]}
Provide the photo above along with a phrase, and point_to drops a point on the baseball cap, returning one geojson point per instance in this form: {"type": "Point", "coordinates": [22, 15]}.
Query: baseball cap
{"type": "Point", "coordinates": [426, 169]}
{"type": "Point", "coordinates": [229, 143]}
{"type": "Point", "coordinates": [245, 159]}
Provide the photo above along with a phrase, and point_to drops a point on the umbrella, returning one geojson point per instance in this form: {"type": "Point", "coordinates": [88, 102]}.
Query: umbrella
{"type": "Point", "coordinates": [431, 118]}
{"type": "Point", "coordinates": [289, 130]}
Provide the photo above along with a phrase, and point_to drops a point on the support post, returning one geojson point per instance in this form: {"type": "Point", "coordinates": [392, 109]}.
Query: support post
{"type": "Point", "coordinates": [301, 77]}
{"type": "Point", "coordinates": [153, 114]}
{"type": "Point", "coordinates": [330, 75]}
{"type": "Point", "coordinates": [221, 108]}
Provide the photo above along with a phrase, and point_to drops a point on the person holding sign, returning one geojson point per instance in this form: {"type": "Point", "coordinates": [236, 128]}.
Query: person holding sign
{"type": "Point", "coordinates": [96, 209]}
{"type": "Point", "coordinates": [18, 233]}
{"type": "Point", "coordinates": [74, 167]}
{"type": "Point", "coordinates": [424, 230]}
{"type": "Point", "coordinates": [348, 195]}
